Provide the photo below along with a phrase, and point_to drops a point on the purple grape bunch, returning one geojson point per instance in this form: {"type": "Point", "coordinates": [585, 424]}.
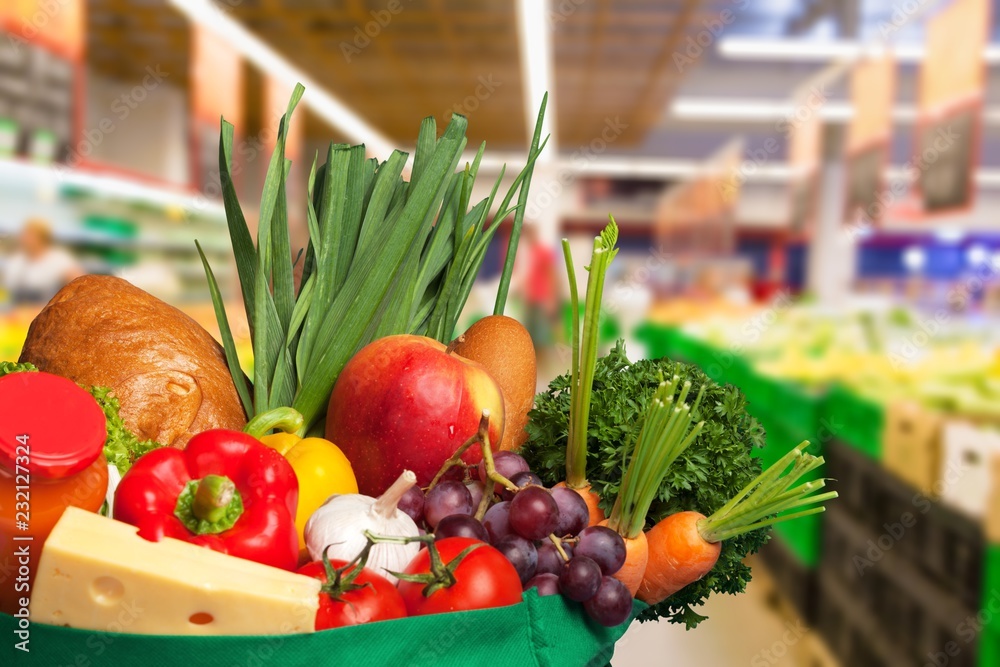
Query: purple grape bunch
{"type": "Point", "coordinates": [544, 533]}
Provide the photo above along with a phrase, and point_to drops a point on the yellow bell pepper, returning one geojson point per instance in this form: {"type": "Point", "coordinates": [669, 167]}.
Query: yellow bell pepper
{"type": "Point", "coordinates": [322, 470]}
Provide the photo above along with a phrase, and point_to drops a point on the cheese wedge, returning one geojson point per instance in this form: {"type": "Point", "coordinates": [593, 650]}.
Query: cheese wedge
{"type": "Point", "coordinates": [98, 574]}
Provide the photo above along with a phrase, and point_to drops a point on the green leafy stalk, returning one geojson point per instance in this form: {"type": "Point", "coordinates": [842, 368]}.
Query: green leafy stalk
{"type": "Point", "coordinates": [522, 205]}
{"type": "Point", "coordinates": [764, 500]}
{"type": "Point", "coordinates": [665, 434]}
{"type": "Point", "coordinates": [585, 350]}
{"type": "Point", "coordinates": [384, 256]}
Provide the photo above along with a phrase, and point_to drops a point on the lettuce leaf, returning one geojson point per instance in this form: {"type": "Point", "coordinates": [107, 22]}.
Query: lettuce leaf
{"type": "Point", "coordinates": [122, 447]}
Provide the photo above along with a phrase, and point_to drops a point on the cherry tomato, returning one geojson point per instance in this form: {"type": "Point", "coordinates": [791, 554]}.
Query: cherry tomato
{"type": "Point", "coordinates": [484, 579]}
{"type": "Point", "coordinates": [376, 600]}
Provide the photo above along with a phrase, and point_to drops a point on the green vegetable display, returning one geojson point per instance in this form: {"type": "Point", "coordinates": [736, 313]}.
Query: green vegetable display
{"type": "Point", "coordinates": [710, 472]}
{"type": "Point", "coordinates": [122, 447]}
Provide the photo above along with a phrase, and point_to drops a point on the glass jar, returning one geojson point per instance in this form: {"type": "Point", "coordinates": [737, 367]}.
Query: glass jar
{"type": "Point", "coordinates": [52, 436]}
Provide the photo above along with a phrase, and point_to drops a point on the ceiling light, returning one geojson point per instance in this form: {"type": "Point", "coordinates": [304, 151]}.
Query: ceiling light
{"type": "Point", "coordinates": [914, 258]}
{"type": "Point", "coordinates": [976, 255]}
{"type": "Point", "coordinates": [535, 40]}
{"type": "Point", "coordinates": [809, 50]}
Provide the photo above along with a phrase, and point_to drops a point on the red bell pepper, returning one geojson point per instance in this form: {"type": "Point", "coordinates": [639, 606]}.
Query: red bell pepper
{"type": "Point", "coordinates": [226, 491]}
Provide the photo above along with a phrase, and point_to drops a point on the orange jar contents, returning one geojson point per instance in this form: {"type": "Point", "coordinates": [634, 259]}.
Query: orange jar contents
{"type": "Point", "coordinates": [52, 436]}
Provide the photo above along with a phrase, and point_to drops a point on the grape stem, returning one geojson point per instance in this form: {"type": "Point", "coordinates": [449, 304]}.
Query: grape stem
{"type": "Point", "coordinates": [558, 544]}
{"type": "Point", "coordinates": [456, 458]}
{"type": "Point", "coordinates": [482, 437]}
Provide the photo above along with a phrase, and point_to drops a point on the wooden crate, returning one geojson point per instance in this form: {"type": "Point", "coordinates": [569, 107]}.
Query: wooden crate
{"type": "Point", "coordinates": [912, 445]}
{"type": "Point", "coordinates": [966, 473]}
{"type": "Point", "coordinates": [992, 525]}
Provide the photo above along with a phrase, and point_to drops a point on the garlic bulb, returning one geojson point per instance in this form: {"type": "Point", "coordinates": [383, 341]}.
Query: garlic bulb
{"type": "Point", "coordinates": [339, 526]}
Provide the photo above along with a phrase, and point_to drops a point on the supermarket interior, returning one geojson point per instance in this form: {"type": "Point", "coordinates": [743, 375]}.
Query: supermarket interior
{"type": "Point", "coordinates": [802, 191]}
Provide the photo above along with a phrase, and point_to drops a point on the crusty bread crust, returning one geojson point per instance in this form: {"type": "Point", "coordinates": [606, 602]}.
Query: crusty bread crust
{"type": "Point", "coordinates": [169, 374]}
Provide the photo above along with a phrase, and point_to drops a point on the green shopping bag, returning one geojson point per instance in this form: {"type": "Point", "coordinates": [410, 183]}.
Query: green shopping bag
{"type": "Point", "coordinates": [541, 631]}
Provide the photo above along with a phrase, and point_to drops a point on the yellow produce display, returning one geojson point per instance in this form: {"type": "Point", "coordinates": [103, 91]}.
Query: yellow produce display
{"type": "Point", "coordinates": [882, 355]}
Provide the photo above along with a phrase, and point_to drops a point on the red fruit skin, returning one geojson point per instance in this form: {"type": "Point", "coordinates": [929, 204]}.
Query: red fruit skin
{"type": "Point", "coordinates": [377, 601]}
{"type": "Point", "coordinates": [403, 403]}
{"type": "Point", "coordinates": [484, 579]}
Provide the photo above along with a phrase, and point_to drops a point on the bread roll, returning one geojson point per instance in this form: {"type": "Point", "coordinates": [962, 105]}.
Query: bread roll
{"type": "Point", "coordinates": [503, 346]}
{"type": "Point", "coordinates": [169, 374]}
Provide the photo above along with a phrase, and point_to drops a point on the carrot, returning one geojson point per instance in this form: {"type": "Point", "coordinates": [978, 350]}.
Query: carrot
{"type": "Point", "coordinates": [685, 546]}
{"type": "Point", "coordinates": [636, 558]}
{"type": "Point", "coordinates": [665, 434]}
{"type": "Point", "coordinates": [584, 362]}
{"type": "Point", "coordinates": [677, 556]}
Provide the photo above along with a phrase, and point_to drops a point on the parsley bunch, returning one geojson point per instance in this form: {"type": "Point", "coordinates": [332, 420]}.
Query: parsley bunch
{"type": "Point", "coordinates": [712, 470]}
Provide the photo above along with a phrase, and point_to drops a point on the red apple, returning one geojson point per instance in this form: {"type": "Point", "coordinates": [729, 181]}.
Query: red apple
{"type": "Point", "coordinates": [407, 403]}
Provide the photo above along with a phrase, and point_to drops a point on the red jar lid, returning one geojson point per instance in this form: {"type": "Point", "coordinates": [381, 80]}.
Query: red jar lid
{"type": "Point", "coordinates": [64, 425]}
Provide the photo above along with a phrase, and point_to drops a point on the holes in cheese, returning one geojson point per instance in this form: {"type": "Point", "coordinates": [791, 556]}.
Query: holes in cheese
{"type": "Point", "coordinates": [96, 573]}
{"type": "Point", "coordinates": [107, 591]}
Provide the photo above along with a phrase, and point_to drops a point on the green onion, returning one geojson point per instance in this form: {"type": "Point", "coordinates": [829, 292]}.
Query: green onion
{"type": "Point", "coordinates": [584, 350]}
{"type": "Point", "coordinates": [666, 432]}
{"type": "Point", "coordinates": [385, 256]}
{"type": "Point", "coordinates": [763, 501]}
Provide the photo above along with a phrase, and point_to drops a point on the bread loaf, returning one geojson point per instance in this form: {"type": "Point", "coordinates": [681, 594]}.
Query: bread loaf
{"type": "Point", "coordinates": [169, 374]}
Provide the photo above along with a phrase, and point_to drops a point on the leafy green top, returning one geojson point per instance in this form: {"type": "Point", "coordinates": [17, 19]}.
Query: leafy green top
{"type": "Point", "coordinates": [385, 256]}
{"type": "Point", "coordinates": [584, 347]}
{"type": "Point", "coordinates": [710, 472]}
{"type": "Point", "coordinates": [122, 447]}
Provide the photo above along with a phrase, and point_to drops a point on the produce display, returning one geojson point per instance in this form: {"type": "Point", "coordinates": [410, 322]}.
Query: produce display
{"type": "Point", "coordinates": [375, 467]}
{"type": "Point", "coordinates": [881, 355]}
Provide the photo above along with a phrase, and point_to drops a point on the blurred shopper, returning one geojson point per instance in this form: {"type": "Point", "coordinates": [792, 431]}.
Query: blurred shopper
{"type": "Point", "coordinates": [38, 269]}
{"type": "Point", "coordinates": [537, 285]}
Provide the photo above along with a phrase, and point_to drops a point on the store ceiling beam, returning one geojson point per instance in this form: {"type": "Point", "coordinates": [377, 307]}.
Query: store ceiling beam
{"type": "Point", "coordinates": [662, 82]}
{"type": "Point", "coordinates": [322, 102]}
